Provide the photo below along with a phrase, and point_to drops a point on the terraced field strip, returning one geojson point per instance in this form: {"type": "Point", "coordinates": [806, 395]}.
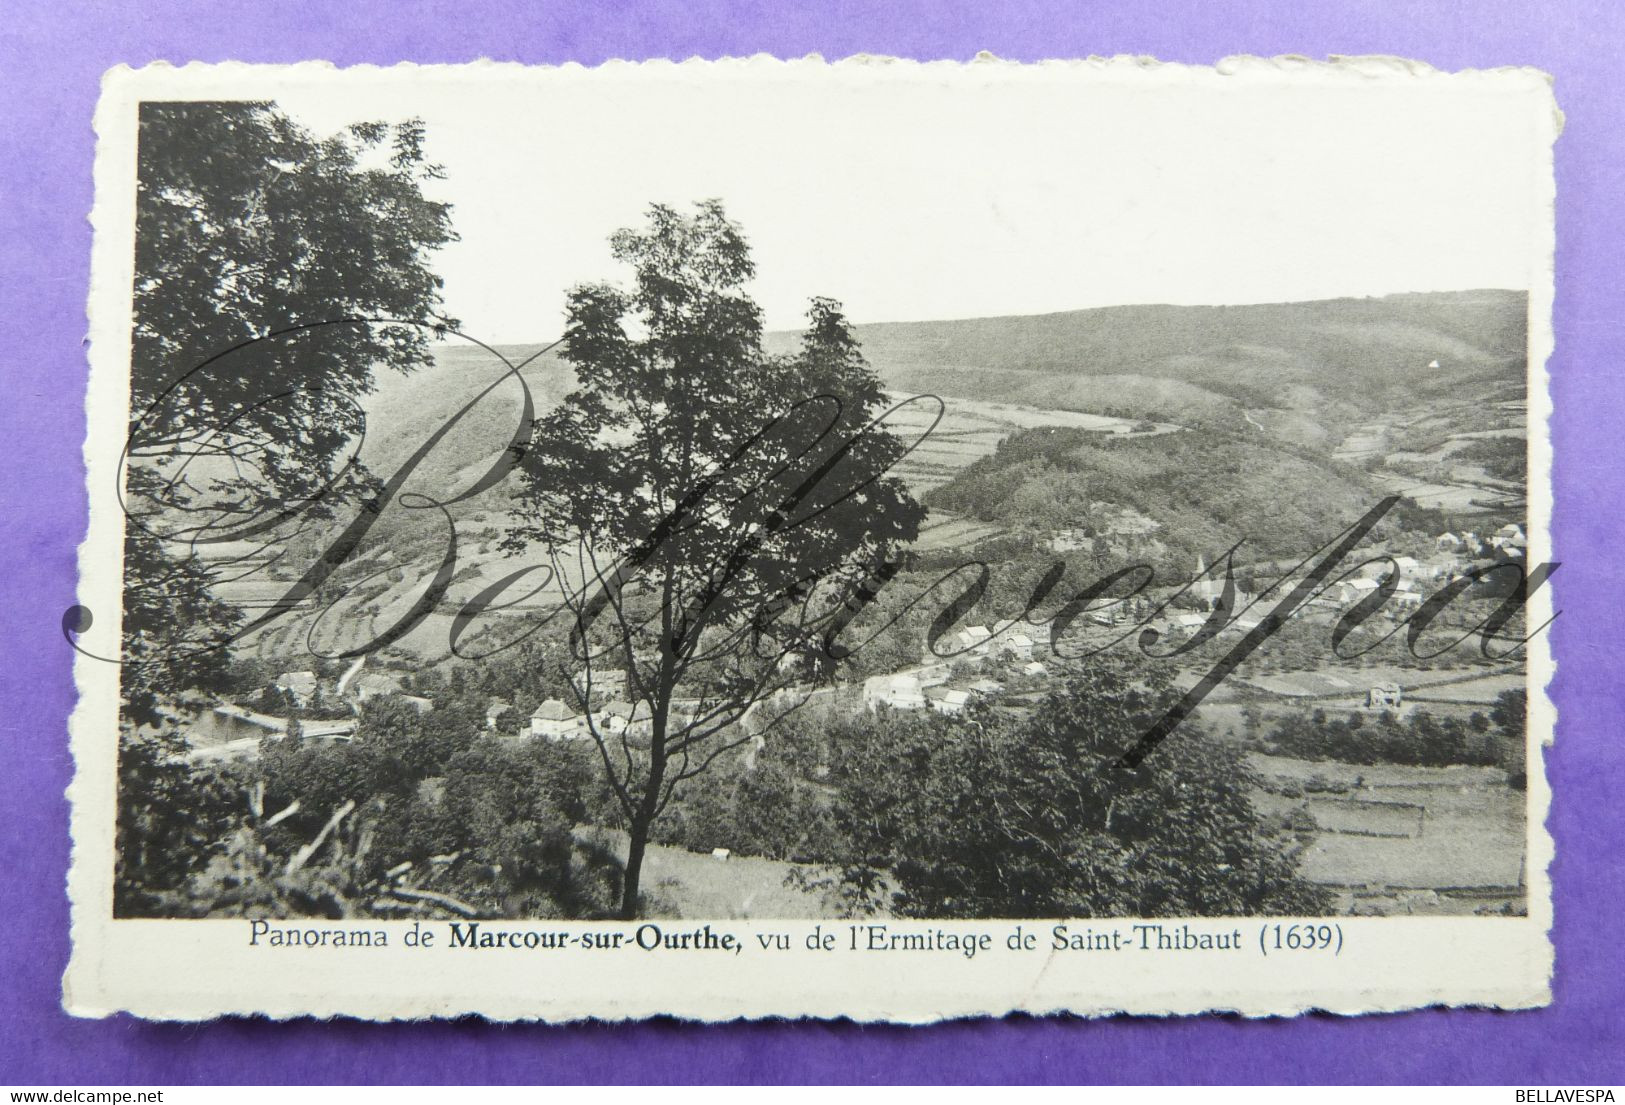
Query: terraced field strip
{"type": "Point", "coordinates": [1470, 832]}
{"type": "Point", "coordinates": [1362, 817]}
{"type": "Point", "coordinates": [954, 532]}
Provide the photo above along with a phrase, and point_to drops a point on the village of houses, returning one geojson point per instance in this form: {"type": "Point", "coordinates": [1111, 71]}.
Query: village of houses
{"type": "Point", "coordinates": [933, 684]}
{"type": "Point", "coordinates": [1391, 839]}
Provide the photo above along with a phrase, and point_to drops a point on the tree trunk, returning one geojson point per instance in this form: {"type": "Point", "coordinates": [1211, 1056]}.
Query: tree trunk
{"type": "Point", "coordinates": [643, 818]}
{"type": "Point", "coordinates": [638, 830]}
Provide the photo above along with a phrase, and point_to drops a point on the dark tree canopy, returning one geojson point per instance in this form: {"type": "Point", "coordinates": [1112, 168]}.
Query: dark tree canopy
{"type": "Point", "coordinates": [247, 226]}
{"type": "Point", "coordinates": [681, 416]}
{"type": "Point", "coordinates": [175, 631]}
{"type": "Point", "coordinates": [261, 251]}
{"type": "Point", "coordinates": [1003, 817]}
{"type": "Point", "coordinates": [257, 245]}
{"type": "Point", "coordinates": [694, 491]}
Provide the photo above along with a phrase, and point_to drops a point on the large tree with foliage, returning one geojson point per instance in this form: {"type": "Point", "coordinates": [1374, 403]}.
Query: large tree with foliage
{"type": "Point", "coordinates": [1511, 717]}
{"type": "Point", "coordinates": [995, 816]}
{"type": "Point", "coordinates": [699, 497]}
{"type": "Point", "coordinates": [276, 272]}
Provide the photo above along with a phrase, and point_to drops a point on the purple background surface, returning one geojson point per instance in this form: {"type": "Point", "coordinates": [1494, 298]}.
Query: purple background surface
{"type": "Point", "coordinates": [51, 56]}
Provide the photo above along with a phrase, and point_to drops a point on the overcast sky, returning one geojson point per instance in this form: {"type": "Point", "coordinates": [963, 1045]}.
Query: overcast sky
{"type": "Point", "coordinates": [951, 194]}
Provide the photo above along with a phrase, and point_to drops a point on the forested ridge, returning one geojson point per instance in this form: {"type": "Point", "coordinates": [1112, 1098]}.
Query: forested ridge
{"type": "Point", "coordinates": [1206, 489]}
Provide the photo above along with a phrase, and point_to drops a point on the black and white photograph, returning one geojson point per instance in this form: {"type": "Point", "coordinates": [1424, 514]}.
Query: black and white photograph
{"type": "Point", "coordinates": [926, 505]}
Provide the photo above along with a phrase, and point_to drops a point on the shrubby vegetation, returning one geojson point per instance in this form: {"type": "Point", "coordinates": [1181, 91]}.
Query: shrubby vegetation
{"type": "Point", "coordinates": [1505, 458]}
{"type": "Point", "coordinates": [1421, 738]}
{"type": "Point", "coordinates": [995, 813]}
{"type": "Point", "coordinates": [1001, 815]}
{"type": "Point", "coordinates": [764, 809]}
{"type": "Point", "coordinates": [483, 822]}
{"type": "Point", "coordinates": [170, 817]}
{"type": "Point", "coordinates": [277, 702]}
{"type": "Point", "coordinates": [1207, 488]}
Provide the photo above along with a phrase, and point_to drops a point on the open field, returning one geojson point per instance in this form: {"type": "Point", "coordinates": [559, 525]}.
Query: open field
{"type": "Point", "coordinates": [1319, 683]}
{"type": "Point", "coordinates": [1363, 817]}
{"type": "Point", "coordinates": [1366, 442]}
{"type": "Point", "coordinates": [1485, 690]}
{"type": "Point", "coordinates": [1461, 498]}
{"type": "Point", "coordinates": [945, 530]}
{"type": "Point", "coordinates": [375, 603]}
{"type": "Point", "coordinates": [971, 429]}
{"type": "Point", "coordinates": [1332, 682]}
{"type": "Point", "coordinates": [1397, 832]}
{"type": "Point", "coordinates": [1375, 776]}
{"type": "Point", "coordinates": [1346, 686]}
{"type": "Point", "coordinates": [688, 884]}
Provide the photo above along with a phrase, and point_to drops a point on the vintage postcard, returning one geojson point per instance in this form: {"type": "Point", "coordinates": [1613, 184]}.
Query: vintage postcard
{"type": "Point", "coordinates": [870, 539]}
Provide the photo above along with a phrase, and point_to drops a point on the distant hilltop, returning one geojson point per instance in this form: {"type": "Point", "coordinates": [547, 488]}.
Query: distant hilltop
{"type": "Point", "coordinates": [1185, 361]}
{"type": "Point", "coordinates": [1311, 372]}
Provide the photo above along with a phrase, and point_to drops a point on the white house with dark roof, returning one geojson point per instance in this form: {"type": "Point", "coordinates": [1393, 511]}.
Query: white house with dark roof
{"type": "Point", "coordinates": [973, 639]}
{"type": "Point", "coordinates": [1509, 535]}
{"type": "Point", "coordinates": [1351, 590]}
{"type": "Point", "coordinates": [621, 716]}
{"type": "Point", "coordinates": [900, 691]}
{"type": "Point", "coordinates": [947, 700]}
{"type": "Point", "coordinates": [1384, 696]}
{"type": "Point", "coordinates": [1017, 646]}
{"type": "Point", "coordinates": [555, 721]}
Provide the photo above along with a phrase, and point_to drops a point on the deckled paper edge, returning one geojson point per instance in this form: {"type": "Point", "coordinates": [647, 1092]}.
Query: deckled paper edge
{"type": "Point", "coordinates": [92, 791]}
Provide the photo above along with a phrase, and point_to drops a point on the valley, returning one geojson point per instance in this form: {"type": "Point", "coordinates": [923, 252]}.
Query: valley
{"type": "Point", "coordinates": [1098, 439]}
